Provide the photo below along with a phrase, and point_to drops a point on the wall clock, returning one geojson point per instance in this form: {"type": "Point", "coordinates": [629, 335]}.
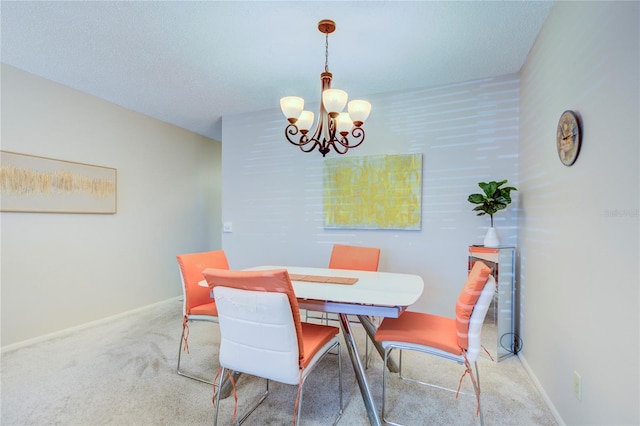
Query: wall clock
{"type": "Point", "coordinates": [568, 138]}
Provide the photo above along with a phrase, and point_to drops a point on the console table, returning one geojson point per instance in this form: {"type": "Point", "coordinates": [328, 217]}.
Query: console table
{"type": "Point", "coordinates": [498, 332]}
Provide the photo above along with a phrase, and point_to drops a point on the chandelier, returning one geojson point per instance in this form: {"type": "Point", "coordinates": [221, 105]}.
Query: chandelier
{"type": "Point", "coordinates": [334, 126]}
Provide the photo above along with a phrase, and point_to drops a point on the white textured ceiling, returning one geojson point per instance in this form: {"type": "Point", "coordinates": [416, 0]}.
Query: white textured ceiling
{"type": "Point", "coordinates": [190, 63]}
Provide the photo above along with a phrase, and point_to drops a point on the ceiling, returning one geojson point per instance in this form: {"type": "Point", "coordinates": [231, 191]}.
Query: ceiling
{"type": "Point", "coordinates": [191, 63]}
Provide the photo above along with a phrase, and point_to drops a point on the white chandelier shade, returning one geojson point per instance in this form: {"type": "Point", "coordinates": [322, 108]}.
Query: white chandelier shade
{"type": "Point", "coordinates": [359, 111]}
{"type": "Point", "coordinates": [305, 121]}
{"type": "Point", "coordinates": [334, 101]}
{"type": "Point", "coordinates": [291, 107]}
{"type": "Point", "coordinates": [334, 127]}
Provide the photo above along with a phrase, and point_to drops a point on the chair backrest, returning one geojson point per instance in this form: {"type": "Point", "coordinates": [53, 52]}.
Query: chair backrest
{"type": "Point", "coordinates": [472, 306]}
{"type": "Point", "coordinates": [191, 267]}
{"type": "Point", "coordinates": [354, 258]}
{"type": "Point", "coordinates": [260, 330]}
{"type": "Point", "coordinates": [477, 319]}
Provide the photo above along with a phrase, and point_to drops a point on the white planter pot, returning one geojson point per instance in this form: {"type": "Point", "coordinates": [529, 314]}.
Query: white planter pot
{"type": "Point", "coordinates": [491, 239]}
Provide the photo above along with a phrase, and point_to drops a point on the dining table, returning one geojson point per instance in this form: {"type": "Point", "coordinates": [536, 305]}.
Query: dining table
{"type": "Point", "coordinates": [364, 294]}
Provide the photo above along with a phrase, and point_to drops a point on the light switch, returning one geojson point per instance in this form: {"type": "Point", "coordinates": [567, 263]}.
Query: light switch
{"type": "Point", "coordinates": [227, 227]}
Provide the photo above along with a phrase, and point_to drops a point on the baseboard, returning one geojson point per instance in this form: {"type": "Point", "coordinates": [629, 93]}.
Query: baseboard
{"type": "Point", "coordinates": [540, 389]}
{"type": "Point", "coordinates": [69, 330]}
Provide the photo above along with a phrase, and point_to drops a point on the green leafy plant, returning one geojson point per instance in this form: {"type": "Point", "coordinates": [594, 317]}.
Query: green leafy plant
{"type": "Point", "coordinates": [494, 198]}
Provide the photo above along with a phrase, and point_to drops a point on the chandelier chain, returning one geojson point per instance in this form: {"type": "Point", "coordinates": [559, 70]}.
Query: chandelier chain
{"type": "Point", "coordinates": [326, 52]}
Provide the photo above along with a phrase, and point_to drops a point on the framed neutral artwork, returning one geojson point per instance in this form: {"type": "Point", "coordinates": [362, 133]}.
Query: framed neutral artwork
{"type": "Point", "coordinates": [373, 192]}
{"type": "Point", "coordinates": [37, 184]}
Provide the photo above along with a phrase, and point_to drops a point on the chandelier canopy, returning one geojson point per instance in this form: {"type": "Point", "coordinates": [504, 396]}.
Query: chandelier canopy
{"type": "Point", "coordinates": [333, 126]}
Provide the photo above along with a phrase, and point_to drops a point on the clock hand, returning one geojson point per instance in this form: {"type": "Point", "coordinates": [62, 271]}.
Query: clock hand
{"type": "Point", "coordinates": [561, 127]}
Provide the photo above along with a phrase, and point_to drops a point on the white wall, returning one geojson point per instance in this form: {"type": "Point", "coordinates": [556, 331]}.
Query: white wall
{"type": "Point", "coordinates": [272, 192]}
{"type": "Point", "coordinates": [578, 229]}
{"type": "Point", "coordinates": [63, 270]}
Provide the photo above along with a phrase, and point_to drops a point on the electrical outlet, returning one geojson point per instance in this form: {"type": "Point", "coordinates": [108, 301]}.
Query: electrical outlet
{"type": "Point", "coordinates": [577, 385]}
{"type": "Point", "coordinates": [227, 227]}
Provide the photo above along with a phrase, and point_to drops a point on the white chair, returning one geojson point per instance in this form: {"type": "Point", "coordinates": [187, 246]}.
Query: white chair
{"type": "Point", "coordinates": [455, 339]}
{"type": "Point", "coordinates": [262, 335]}
{"type": "Point", "coordinates": [198, 304]}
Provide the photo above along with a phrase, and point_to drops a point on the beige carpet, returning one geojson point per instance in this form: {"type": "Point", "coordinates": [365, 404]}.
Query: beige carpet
{"type": "Point", "coordinates": [123, 373]}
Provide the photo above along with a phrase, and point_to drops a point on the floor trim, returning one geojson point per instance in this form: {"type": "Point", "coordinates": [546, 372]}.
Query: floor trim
{"type": "Point", "coordinates": [69, 330]}
{"type": "Point", "coordinates": [541, 390]}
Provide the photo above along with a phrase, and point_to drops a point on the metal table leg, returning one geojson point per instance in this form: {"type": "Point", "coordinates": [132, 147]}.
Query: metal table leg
{"type": "Point", "coordinates": [371, 332]}
{"type": "Point", "coordinates": [358, 369]}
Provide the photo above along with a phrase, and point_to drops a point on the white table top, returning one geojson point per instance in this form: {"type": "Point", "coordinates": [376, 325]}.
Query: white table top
{"type": "Point", "coordinates": [373, 288]}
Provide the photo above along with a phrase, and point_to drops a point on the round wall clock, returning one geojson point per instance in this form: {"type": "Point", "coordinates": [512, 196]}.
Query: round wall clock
{"type": "Point", "coordinates": [569, 137]}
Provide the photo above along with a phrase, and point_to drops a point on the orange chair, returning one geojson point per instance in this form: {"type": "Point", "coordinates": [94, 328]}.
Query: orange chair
{"type": "Point", "coordinates": [456, 339]}
{"type": "Point", "coordinates": [261, 333]}
{"type": "Point", "coordinates": [354, 258]}
{"type": "Point", "coordinates": [198, 304]}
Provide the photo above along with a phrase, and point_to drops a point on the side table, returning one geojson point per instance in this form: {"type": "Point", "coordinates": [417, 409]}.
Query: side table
{"type": "Point", "coordinates": [498, 332]}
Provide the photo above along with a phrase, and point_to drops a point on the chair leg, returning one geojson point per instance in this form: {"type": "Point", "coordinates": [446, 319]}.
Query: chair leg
{"type": "Point", "coordinates": [387, 354]}
{"type": "Point", "coordinates": [184, 327]}
{"type": "Point", "coordinates": [368, 356]}
{"type": "Point", "coordinates": [339, 385]}
{"type": "Point", "coordinates": [221, 379]}
{"type": "Point", "coordinates": [180, 349]}
{"type": "Point", "coordinates": [253, 408]}
{"type": "Point", "coordinates": [477, 389]}
{"type": "Point", "coordinates": [217, 395]}
{"type": "Point", "coordinates": [323, 317]}
{"type": "Point", "coordinates": [341, 408]}
{"type": "Point", "coordinates": [367, 359]}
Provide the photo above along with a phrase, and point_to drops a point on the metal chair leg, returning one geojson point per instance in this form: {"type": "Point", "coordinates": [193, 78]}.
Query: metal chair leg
{"type": "Point", "coordinates": [253, 408]}
{"type": "Point", "coordinates": [180, 350]}
{"type": "Point", "coordinates": [478, 392]}
{"type": "Point", "coordinates": [387, 354]}
{"type": "Point", "coordinates": [220, 380]}
{"type": "Point", "coordinates": [341, 408]}
{"type": "Point", "coordinates": [180, 372]}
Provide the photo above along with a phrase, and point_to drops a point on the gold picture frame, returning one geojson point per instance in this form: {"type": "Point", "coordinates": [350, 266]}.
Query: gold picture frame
{"type": "Point", "coordinates": [33, 184]}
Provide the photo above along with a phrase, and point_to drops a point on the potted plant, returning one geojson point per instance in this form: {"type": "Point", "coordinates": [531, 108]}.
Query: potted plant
{"type": "Point", "coordinates": [494, 198]}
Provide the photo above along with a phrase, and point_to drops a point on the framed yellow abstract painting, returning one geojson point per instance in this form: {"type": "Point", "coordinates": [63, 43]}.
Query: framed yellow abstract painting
{"type": "Point", "coordinates": [373, 192]}
{"type": "Point", "coordinates": [38, 184]}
